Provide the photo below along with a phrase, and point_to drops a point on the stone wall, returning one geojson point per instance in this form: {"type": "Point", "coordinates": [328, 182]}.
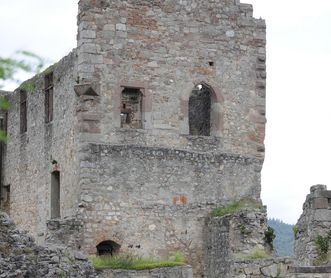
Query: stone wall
{"type": "Point", "coordinates": [272, 267]}
{"type": "Point", "coordinates": [32, 156]}
{"type": "Point", "coordinates": [21, 257]}
{"type": "Point", "coordinates": [315, 221]}
{"type": "Point", "coordinates": [172, 272]}
{"type": "Point", "coordinates": [309, 272]}
{"type": "Point", "coordinates": [155, 201]}
{"type": "Point", "coordinates": [234, 237]}
{"type": "Point", "coordinates": [165, 49]}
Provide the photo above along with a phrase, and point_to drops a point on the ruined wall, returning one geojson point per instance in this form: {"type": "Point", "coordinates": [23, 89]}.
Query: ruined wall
{"type": "Point", "coordinates": [33, 155]}
{"type": "Point", "coordinates": [234, 237]}
{"type": "Point", "coordinates": [315, 221]}
{"type": "Point", "coordinates": [155, 201]}
{"type": "Point", "coordinates": [21, 257]}
{"type": "Point", "coordinates": [165, 49]}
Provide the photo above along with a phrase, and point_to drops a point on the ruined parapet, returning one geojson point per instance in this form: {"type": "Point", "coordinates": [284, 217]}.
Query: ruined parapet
{"type": "Point", "coordinates": [238, 236]}
{"type": "Point", "coordinates": [313, 228]}
{"type": "Point", "coordinates": [66, 232]}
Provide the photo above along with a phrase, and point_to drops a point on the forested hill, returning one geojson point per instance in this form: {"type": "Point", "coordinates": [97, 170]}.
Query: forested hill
{"type": "Point", "coordinates": [284, 241]}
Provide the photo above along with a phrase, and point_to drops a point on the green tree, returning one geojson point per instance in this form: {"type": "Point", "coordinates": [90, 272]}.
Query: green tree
{"type": "Point", "coordinates": [25, 61]}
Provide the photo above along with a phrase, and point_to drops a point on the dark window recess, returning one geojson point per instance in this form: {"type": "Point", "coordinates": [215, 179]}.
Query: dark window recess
{"type": "Point", "coordinates": [199, 111]}
{"type": "Point", "coordinates": [211, 64]}
{"type": "Point", "coordinates": [108, 247]}
{"type": "Point", "coordinates": [55, 195]}
{"type": "Point", "coordinates": [131, 108]}
{"type": "Point", "coordinates": [49, 88]}
{"type": "Point", "coordinates": [23, 111]}
{"type": "Point", "coordinates": [5, 127]}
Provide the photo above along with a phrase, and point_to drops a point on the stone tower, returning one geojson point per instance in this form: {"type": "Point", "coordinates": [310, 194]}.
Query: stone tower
{"type": "Point", "coordinates": [159, 117]}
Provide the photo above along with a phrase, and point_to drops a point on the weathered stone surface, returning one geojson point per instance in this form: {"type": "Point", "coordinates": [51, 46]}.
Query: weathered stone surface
{"type": "Point", "coordinates": [315, 221]}
{"type": "Point", "coordinates": [21, 257]}
{"type": "Point", "coordinates": [146, 187]}
{"type": "Point", "coordinates": [235, 236]}
{"type": "Point", "coordinates": [172, 272]}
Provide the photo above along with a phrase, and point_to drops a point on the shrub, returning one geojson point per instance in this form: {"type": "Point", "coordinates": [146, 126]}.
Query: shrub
{"type": "Point", "coordinates": [322, 245]}
{"type": "Point", "coordinates": [269, 235]}
{"type": "Point", "coordinates": [295, 231]}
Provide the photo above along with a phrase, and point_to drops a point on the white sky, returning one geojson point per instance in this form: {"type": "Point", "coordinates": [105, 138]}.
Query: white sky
{"type": "Point", "coordinates": [298, 138]}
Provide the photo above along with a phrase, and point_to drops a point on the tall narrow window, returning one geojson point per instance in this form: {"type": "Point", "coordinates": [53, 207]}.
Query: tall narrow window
{"type": "Point", "coordinates": [23, 111]}
{"type": "Point", "coordinates": [200, 111]}
{"type": "Point", "coordinates": [131, 108]}
{"type": "Point", "coordinates": [5, 128]}
{"type": "Point", "coordinates": [55, 195]}
{"type": "Point", "coordinates": [49, 97]}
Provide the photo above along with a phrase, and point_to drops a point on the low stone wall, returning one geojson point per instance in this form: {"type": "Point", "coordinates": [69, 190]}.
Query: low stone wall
{"type": "Point", "coordinates": [310, 272]}
{"type": "Point", "coordinates": [170, 272]}
{"type": "Point", "coordinates": [273, 267]}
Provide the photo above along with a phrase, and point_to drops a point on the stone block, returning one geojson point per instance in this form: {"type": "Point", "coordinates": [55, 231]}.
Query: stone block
{"type": "Point", "coordinates": [320, 203]}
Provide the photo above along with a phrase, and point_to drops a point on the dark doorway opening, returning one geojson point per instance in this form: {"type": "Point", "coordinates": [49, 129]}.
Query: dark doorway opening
{"type": "Point", "coordinates": [108, 247]}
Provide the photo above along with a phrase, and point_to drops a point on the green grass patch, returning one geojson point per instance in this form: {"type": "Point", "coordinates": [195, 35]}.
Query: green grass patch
{"type": "Point", "coordinates": [135, 263]}
{"type": "Point", "coordinates": [256, 254]}
{"type": "Point", "coordinates": [236, 207]}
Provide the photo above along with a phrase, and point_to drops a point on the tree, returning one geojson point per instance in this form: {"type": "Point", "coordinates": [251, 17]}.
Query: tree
{"type": "Point", "coordinates": [25, 61]}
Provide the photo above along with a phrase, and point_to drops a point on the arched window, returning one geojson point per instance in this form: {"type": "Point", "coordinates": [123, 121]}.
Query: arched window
{"type": "Point", "coordinates": [108, 247]}
{"type": "Point", "coordinates": [200, 103]}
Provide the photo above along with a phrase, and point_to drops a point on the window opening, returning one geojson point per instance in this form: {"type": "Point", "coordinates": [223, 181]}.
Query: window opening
{"type": "Point", "coordinates": [55, 195]}
{"type": "Point", "coordinates": [49, 88]}
{"type": "Point", "coordinates": [131, 108]}
{"type": "Point", "coordinates": [200, 111]}
{"type": "Point", "coordinates": [23, 111]}
{"type": "Point", "coordinates": [108, 247]}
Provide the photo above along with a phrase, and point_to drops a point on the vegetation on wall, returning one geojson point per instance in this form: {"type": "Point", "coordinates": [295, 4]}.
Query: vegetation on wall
{"type": "Point", "coordinates": [270, 236]}
{"type": "Point", "coordinates": [236, 207]}
{"type": "Point", "coordinates": [135, 263]}
{"type": "Point", "coordinates": [322, 245]}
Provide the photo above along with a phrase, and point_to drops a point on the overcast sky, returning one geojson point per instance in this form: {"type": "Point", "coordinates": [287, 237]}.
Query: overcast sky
{"type": "Point", "coordinates": [298, 138]}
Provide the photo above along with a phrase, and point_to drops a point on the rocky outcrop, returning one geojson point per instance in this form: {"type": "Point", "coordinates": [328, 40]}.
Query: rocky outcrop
{"type": "Point", "coordinates": [21, 257]}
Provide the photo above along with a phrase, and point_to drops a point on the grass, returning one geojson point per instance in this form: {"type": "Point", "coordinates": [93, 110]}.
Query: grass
{"type": "Point", "coordinates": [256, 254]}
{"type": "Point", "coordinates": [134, 263]}
{"type": "Point", "coordinates": [236, 207]}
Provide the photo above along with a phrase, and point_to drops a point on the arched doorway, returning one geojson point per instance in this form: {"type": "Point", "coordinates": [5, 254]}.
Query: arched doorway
{"type": "Point", "coordinates": [108, 247]}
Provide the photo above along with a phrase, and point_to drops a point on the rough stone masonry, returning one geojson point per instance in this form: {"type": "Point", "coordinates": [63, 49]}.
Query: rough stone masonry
{"type": "Point", "coordinates": [117, 137]}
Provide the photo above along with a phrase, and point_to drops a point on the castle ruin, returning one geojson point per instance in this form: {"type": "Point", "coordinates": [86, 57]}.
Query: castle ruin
{"type": "Point", "coordinates": [130, 141]}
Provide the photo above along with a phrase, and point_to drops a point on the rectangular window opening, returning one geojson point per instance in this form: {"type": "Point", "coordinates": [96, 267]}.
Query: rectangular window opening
{"type": "Point", "coordinates": [23, 111]}
{"type": "Point", "coordinates": [131, 108]}
{"type": "Point", "coordinates": [49, 88]}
